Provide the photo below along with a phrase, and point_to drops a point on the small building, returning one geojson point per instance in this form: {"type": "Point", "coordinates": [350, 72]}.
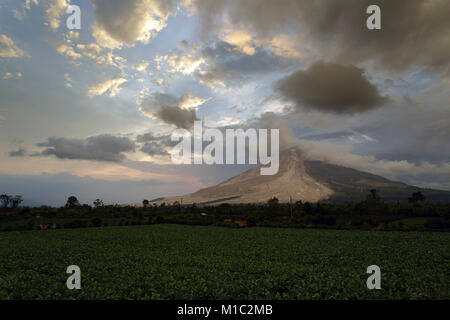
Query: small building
{"type": "Point", "coordinates": [241, 223]}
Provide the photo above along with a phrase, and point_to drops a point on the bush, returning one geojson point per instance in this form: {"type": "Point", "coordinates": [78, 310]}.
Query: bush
{"type": "Point", "coordinates": [96, 222]}
{"type": "Point", "coordinates": [324, 220]}
{"type": "Point", "coordinates": [437, 224]}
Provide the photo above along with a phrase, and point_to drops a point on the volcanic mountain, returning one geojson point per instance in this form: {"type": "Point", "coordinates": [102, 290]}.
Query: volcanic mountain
{"type": "Point", "coordinates": [305, 180]}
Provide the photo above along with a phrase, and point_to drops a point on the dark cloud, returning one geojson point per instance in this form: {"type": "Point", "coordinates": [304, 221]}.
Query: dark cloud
{"type": "Point", "coordinates": [421, 131]}
{"type": "Point", "coordinates": [182, 118]}
{"type": "Point", "coordinates": [20, 152]}
{"type": "Point", "coordinates": [149, 137]}
{"type": "Point", "coordinates": [100, 148]}
{"type": "Point", "coordinates": [226, 64]}
{"type": "Point", "coordinates": [154, 148]}
{"type": "Point", "coordinates": [154, 145]}
{"type": "Point", "coordinates": [330, 87]}
{"type": "Point", "coordinates": [180, 112]}
{"type": "Point", "coordinates": [329, 135]}
{"type": "Point", "coordinates": [414, 33]}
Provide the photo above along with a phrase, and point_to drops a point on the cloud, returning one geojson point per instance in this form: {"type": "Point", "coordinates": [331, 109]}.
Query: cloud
{"type": "Point", "coordinates": [92, 51]}
{"type": "Point", "coordinates": [180, 112]}
{"type": "Point", "coordinates": [228, 66]}
{"type": "Point", "coordinates": [68, 51]}
{"type": "Point", "coordinates": [142, 66]}
{"type": "Point", "coordinates": [154, 148]}
{"type": "Point", "coordinates": [68, 80]}
{"type": "Point", "coordinates": [270, 120]}
{"type": "Point", "coordinates": [10, 75]}
{"type": "Point", "coordinates": [8, 49]}
{"type": "Point", "coordinates": [98, 148]}
{"type": "Point", "coordinates": [184, 62]}
{"type": "Point", "coordinates": [226, 63]}
{"type": "Point", "coordinates": [420, 125]}
{"type": "Point", "coordinates": [337, 29]}
{"type": "Point", "coordinates": [19, 15]}
{"type": "Point", "coordinates": [20, 152]}
{"type": "Point", "coordinates": [181, 118]}
{"type": "Point", "coordinates": [121, 23]}
{"type": "Point", "coordinates": [160, 82]}
{"type": "Point", "coordinates": [188, 101]}
{"type": "Point", "coordinates": [112, 87]}
{"type": "Point", "coordinates": [330, 87]}
{"type": "Point", "coordinates": [149, 136]}
{"type": "Point", "coordinates": [55, 11]}
{"type": "Point", "coordinates": [416, 173]}
{"type": "Point", "coordinates": [72, 36]}
{"type": "Point", "coordinates": [282, 45]}
{"type": "Point", "coordinates": [27, 4]}
{"type": "Point", "coordinates": [154, 145]}
{"type": "Point", "coordinates": [100, 56]}
{"type": "Point", "coordinates": [223, 64]}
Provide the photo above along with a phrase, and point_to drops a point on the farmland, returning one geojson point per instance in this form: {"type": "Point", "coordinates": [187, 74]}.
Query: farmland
{"type": "Point", "coordinates": [166, 261]}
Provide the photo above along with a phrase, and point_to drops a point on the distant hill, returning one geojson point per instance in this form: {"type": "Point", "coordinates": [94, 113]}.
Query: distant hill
{"type": "Point", "coordinates": [305, 180]}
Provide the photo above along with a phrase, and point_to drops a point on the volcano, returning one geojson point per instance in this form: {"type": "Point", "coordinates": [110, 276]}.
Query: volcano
{"type": "Point", "coordinates": [305, 180]}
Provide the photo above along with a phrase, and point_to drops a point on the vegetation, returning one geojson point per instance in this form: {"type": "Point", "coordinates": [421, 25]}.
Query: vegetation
{"type": "Point", "coordinates": [371, 214]}
{"type": "Point", "coordinates": [72, 202]}
{"type": "Point", "coordinates": [143, 252]}
{"type": "Point", "coordinates": [195, 262]}
{"type": "Point", "coordinates": [416, 197]}
{"type": "Point", "coordinates": [10, 201]}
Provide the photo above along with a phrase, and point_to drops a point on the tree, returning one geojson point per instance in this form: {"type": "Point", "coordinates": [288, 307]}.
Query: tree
{"type": "Point", "coordinates": [5, 199]}
{"type": "Point", "coordinates": [145, 203]}
{"type": "Point", "coordinates": [373, 197]}
{"type": "Point", "coordinates": [96, 222]}
{"type": "Point", "coordinates": [72, 202]}
{"type": "Point", "coordinates": [416, 197]}
{"type": "Point", "coordinates": [273, 201]}
{"type": "Point", "coordinates": [15, 201]}
{"type": "Point", "coordinates": [98, 203]}
{"type": "Point", "coordinates": [307, 207]}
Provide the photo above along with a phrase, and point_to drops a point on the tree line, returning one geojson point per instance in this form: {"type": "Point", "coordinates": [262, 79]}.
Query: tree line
{"type": "Point", "coordinates": [372, 213]}
{"type": "Point", "coordinates": [9, 201]}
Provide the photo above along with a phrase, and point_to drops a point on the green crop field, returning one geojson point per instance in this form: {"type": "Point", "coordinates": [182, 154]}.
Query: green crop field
{"type": "Point", "coordinates": [194, 262]}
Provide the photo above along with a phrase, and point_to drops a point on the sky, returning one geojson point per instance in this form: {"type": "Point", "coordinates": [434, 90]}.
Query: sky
{"type": "Point", "coordinates": [89, 112]}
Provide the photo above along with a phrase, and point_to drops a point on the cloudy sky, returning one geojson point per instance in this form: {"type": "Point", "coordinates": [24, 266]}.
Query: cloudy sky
{"type": "Point", "coordinates": [89, 112]}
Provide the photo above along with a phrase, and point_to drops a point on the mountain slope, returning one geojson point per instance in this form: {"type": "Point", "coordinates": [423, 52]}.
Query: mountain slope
{"type": "Point", "coordinates": [353, 185]}
{"type": "Point", "coordinates": [305, 180]}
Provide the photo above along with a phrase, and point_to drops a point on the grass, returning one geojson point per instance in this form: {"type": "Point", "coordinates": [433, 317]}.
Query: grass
{"type": "Point", "coordinates": [194, 262]}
